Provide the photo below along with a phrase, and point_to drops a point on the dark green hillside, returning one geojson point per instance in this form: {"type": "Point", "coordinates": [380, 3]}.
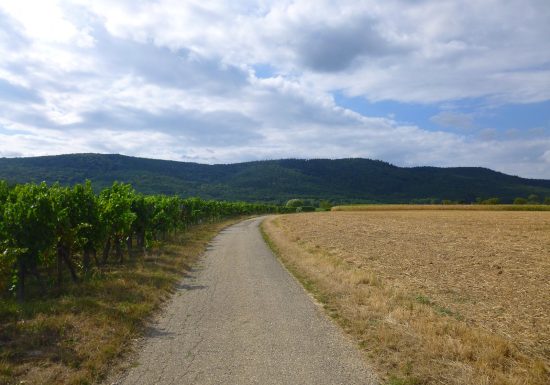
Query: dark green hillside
{"type": "Point", "coordinates": [342, 180]}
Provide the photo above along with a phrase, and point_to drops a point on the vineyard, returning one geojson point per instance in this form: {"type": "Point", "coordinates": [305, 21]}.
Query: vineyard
{"type": "Point", "coordinates": [50, 232]}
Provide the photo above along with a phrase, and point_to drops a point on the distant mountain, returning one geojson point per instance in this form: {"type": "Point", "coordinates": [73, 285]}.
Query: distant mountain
{"type": "Point", "coordinates": [341, 180]}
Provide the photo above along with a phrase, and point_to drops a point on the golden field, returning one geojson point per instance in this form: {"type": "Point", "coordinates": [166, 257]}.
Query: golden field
{"type": "Point", "coordinates": [431, 296]}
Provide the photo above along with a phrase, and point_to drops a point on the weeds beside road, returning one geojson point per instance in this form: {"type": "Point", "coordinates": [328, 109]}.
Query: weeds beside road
{"type": "Point", "coordinates": [78, 335]}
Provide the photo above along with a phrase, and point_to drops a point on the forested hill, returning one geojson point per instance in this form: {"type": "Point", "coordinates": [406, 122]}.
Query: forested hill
{"type": "Point", "coordinates": [342, 180]}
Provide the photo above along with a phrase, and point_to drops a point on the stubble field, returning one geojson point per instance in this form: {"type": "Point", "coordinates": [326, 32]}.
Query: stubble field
{"type": "Point", "coordinates": [433, 297]}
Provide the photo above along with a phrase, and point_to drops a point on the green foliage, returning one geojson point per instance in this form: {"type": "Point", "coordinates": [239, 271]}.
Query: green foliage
{"type": "Point", "coordinates": [490, 201]}
{"type": "Point", "coordinates": [546, 201]}
{"type": "Point", "coordinates": [520, 201]}
{"type": "Point", "coordinates": [306, 209]}
{"type": "Point", "coordinates": [89, 227]}
{"type": "Point", "coordinates": [448, 202]}
{"type": "Point", "coordinates": [115, 205]}
{"type": "Point", "coordinates": [28, 224]}
{"type": "Point", "coordinates": [325, 204]}
{"type": "Point", "coordinates": [294, 203]}
{"type": "Point", "coordinates": [341, 181]}
{"type": "Point", "coordinates": [44, 228]}
{"type": "Point", "coordinates": [533, 199]}
{"type": "Point", "coordinates": [424, 201]}
{"type": "Point", "coordinates": [4, 191]}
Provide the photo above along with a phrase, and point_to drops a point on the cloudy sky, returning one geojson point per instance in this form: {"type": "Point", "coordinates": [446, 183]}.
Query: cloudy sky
{"type": "Point", "coordinates": [411, 82]}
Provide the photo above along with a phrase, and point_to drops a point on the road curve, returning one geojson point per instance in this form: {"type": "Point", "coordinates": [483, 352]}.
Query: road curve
{"type": "Point", "coordinates": [242, 319]}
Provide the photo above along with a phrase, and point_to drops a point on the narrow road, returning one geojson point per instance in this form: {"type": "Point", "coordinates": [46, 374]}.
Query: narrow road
{"type": "Point", "coordinates": [242, 319]}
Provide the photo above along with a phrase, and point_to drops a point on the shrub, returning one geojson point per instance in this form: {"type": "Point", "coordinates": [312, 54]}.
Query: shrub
{"type": "Point", "coordinates": [306, 209]}
{"type": "Point", "coordinates": [295, 203]}
{"type": "Point", "coordinates": [491, 201]}
{"type": "Point", "coordinates": [520, 201]}
{"type": "Point", "coordinates": [547, 201]}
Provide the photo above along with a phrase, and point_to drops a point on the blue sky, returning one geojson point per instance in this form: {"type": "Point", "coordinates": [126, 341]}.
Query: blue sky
{"type": "Point", "coordinates": [462, 115]}
{"type": "Point", "coordinates": [430, 82]}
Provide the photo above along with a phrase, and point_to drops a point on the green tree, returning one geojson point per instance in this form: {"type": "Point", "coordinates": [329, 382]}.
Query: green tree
{"type": "Point", "coordinates": [294, 203]}
{"type": "Point", "coordinates": [491, 201]}
{"type": "Point", "coordinates": [520, 201]}
{"type": "Point", "coordinates": [533, 199]}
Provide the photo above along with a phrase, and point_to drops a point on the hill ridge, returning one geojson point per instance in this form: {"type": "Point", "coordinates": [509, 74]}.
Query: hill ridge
{"type": "Point", "coordinates": [340, 180]}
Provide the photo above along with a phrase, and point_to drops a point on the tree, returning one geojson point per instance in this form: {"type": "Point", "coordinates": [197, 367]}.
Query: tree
{"type": "Point", "coordinates": [491, 201]}
{"type": "Point", "coordinates": [325, 205]}
{"type": "Point", "coordinates": [520, 201]}
{"type": "Point", "coordinates": [294, 203]}
{"type": "Point", "coordinates": [533, 199]}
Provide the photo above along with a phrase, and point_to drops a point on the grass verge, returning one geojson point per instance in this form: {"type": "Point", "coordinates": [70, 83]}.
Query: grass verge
{"type": "Point", "coordinates": [78, 335]}
{"type": "Point", "coordinates": [409, 337]}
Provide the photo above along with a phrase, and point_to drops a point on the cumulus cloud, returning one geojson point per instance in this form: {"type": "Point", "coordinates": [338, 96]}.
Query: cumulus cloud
{"type": "Point", "coordinates": [177, 80]}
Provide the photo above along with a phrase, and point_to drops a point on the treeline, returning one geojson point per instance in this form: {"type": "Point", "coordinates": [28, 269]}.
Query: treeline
{"type": "Point", "coordinates": [532, 199]}
{"type": "Point", "coordinates": [46, 231]}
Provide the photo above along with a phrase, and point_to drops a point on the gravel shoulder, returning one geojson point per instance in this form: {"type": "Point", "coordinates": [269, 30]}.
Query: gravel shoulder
{"type": "Point", "coordinates": [240, 318]}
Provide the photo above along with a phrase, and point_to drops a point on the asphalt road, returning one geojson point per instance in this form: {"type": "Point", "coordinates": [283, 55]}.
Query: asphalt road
{"type": "Point", "coordinates": [242, 319]}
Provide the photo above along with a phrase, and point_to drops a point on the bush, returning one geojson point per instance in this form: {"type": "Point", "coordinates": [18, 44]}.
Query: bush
{"type": "Point", "coordinates": [295, 203]}
{"type": "Point", "coordinates": [547, 201]}
{"type": "Point", "coordinates": [520, 201]}
{"type": "Point", "coordinates": [324, 204]}
{"type": "Point", "coordinates": [491, 201]}
{"type": "Point", "coordinates": [533, 199]}
{"type": "Point", "coordinates": [306, 209]}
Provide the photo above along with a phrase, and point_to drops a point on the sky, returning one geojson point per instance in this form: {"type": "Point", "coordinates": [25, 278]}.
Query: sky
{"type": "Point", "coordinates": [411, 82]}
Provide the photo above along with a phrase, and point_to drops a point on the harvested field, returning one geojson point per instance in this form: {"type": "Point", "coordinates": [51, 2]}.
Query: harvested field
{"type": "Point", "coordinates": [433, 297]}
{"type": "Point", "coordinates": [385, 207]}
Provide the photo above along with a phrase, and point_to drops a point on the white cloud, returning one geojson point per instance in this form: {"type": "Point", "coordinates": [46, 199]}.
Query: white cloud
{"type": "Point", "coordinates": [45, 21]}
{"type": "Point", "coordinates": [176, 80]}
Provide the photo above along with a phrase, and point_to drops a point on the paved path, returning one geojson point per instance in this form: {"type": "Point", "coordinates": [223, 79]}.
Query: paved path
{"type": "Point", "coordinates": [242, 319]}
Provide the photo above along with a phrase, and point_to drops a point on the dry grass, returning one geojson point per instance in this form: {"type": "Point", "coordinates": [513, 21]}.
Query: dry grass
{"type": "Point", "coordinates": [433, 297]}
{"type": "Point", "coordinates": [77, 336]}
{"type": "Point", "coordinates": [400, 207]}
